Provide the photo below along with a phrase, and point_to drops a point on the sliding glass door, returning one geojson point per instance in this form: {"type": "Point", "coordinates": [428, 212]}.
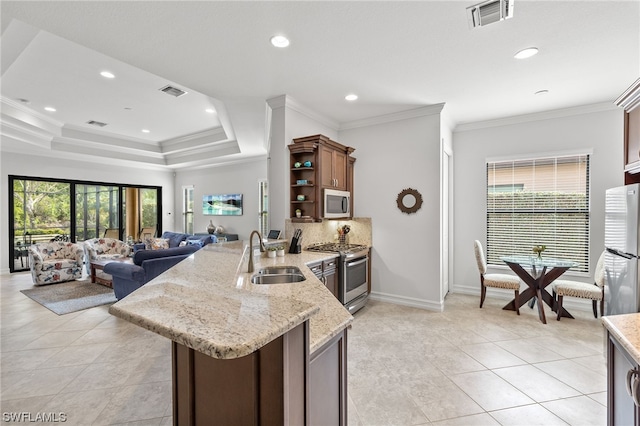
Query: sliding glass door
{"type": "Point", "coordinates": [97, 213]}
{"type": "Point", "coordinates": [47, 209]}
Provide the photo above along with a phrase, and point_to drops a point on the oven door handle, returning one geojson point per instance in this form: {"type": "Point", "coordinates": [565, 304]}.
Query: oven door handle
{"type": "Point", "coordinates": [356, 263]}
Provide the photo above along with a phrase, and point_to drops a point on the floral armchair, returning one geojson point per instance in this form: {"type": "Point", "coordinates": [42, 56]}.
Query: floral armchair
{"type": "Point", "coordinates": [55, 262]}
{"type": "Point", "coordinates": [105, 248]}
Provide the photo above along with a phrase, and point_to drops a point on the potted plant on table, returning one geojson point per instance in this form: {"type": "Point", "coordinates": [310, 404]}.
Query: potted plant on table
{"type": "Point", "coordinates": [538, 250]}
{"type": "Point", "coordinates": [271, 251]}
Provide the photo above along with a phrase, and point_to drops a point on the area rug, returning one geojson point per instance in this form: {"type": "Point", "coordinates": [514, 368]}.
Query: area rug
{"type": "Point", "coordinates": [72, 296]}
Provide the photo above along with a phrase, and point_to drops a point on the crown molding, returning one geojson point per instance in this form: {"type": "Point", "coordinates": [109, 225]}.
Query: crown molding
{"type": "Point", "coordinates": [194, 140]}
{"type": "Point", "coordinates": [22, 113]}
{"type": "Point", "coordinates": [106, 138]}
{"type": "Point", "coordinates": [286, 101]}
{"type": "Point", "coordinates": [396, 116]}
{"type": "Point", "coordinates": [630, 99]}
{"type": "Point", "coordinates": [539, 116]}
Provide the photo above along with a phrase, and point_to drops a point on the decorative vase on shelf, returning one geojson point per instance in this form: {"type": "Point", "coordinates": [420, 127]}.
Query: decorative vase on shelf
{"type": "Point", "coordinates": [211, 228]}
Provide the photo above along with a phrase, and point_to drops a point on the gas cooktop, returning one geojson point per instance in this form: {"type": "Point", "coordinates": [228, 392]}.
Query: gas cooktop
{"type": "Point", "coordinates": [337, 248]}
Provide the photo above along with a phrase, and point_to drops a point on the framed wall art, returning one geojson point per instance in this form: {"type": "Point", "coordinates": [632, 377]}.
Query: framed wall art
{"type": "Point", "coordinates": [222, 205]}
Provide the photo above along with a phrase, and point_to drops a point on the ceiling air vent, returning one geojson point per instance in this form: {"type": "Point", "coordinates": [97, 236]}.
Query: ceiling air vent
{"type": "Point", "coordinates": [173, 91]}
{"type": "Point", "coordinates": [488, 12]}
{"type": "Point", "coordinates": [96, 123]}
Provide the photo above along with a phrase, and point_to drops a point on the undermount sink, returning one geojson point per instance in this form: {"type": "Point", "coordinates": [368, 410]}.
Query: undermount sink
{"type": "Point", "coordinates": [278, 270]}
{"type": "Point", "coordinates": [278, 275]}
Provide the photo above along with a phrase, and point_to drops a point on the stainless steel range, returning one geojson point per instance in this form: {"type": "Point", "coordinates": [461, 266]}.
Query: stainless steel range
{"type": "Point", "coordinates": [353, 272]}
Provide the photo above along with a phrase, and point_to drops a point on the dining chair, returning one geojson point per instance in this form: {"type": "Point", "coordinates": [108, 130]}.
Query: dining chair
{"type": "Point", "coordinates": [504, 281]}
{"type": "Point", "coordinates": [594, 291]}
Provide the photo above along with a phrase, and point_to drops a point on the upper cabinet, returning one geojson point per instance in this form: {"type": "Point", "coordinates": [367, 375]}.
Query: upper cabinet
{"type": "Point", "coordinates": [630, 101]}
{"type": "Point", "coordinates": [317, 162]}
{"type": "Point", "coordinates": [334, 167]}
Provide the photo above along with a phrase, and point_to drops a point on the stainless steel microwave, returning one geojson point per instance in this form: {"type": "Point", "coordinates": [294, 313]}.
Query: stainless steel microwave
{"type": "Point", "coordinates": [337, 204]}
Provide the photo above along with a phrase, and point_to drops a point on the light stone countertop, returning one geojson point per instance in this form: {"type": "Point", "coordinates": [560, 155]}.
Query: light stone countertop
{"type": "Point", "coordinates": [626, 330]}
{"type": "Point", "coordinates": [208, 303]}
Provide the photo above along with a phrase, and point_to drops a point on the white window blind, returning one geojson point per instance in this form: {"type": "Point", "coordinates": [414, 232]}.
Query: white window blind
{"type": "Point", "coordinates": [542, 201]}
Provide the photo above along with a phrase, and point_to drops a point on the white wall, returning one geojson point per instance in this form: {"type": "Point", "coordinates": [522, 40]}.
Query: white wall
{"type": "Point", "coordinates": [289, 120]}
{"type": "Point", "coordinates": [597, 129]}
{"type": "Point", "coordinates": [31, 165]}
{"type": "Point", "coordinates": [241, 178]}
{"type": "Point", "coordinates": [392, 156]}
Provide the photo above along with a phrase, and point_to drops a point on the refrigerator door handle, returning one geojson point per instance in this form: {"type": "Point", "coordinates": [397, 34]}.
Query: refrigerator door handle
{"type": "Point", "coordinates": [622, 253]}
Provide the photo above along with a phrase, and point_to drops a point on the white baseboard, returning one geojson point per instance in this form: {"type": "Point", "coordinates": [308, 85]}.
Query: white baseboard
{"type": "Point", "coordinates": [407, 301]}
{"type": "Point", "coordinates": [569, 302]}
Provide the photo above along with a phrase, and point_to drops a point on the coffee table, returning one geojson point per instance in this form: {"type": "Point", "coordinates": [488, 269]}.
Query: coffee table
{"type": "Point", "coordinates": [98, 265]}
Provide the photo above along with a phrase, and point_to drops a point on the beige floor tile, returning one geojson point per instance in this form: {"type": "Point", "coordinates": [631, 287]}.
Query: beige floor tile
{"type": "Point", "coordinates": [482, 419]}
{"type": "Point", "coordinates": [401, 363]}
{"type": "Point", "coordinates": [389, 405]}
{"type": "Point", "coordinates": [56, 339]}
{"type": "Point", "coordinates": [136, 403]}
{"type": "Point", "coordinates": [575, 375]}
{"type": "Point", "coordinates": [439, 398]}
{"type": "Point", "coordinates": [528, 415]}
{"type": "Point", "coordinates": [455, 362]}
{"type": "Point", "coordinates": [580, 410]}
{"type": "Point", "coordinates": [491, 355]}
{"type": "Point", "coordinates": [75, 355]}
{"type": "Point", "coordinates": [535, 383]}
{"type": "Point", "coordinates": [600, 397]}
{"type": "Point", "coordinates": [49, 381]}
{"type": "Point", "coordinates": [529, 351]}
{"type": "Point", "coordinates": [490, 391]}
{"type": "Point", "coordinates": [81, 408]}
{"type": "Point", "coordinates": [26, 360]}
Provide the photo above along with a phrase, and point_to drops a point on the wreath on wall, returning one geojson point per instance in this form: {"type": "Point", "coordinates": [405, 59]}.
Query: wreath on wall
{"type": "Point", "coordinates": [405, 198]}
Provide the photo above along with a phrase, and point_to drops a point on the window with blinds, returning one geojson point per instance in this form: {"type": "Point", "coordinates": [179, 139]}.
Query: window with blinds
{"type": "Point", "coordinates": [541, 201]}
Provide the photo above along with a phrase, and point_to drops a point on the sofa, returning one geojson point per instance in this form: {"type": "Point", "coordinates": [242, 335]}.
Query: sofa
{"type": "Point", "coordinates": [55, 262]}
{"type": "Point", "coordinates": [175, 239]}
{"type": "Point", "coordinates": [148, 264]}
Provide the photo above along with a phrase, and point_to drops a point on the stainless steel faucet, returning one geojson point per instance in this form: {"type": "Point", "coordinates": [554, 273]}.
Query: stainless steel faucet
{"type": "Point", "coordinates": [251, 267]}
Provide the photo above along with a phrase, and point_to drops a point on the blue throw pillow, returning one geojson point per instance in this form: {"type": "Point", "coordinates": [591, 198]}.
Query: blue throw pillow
{"type": "Point", "coordinates": [195, 243]}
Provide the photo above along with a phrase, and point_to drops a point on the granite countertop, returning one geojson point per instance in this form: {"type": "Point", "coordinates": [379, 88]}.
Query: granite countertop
{"type": "Point", "coordinates": [208, 303]}
{"type": "Point", "coordinates": [626, 330]}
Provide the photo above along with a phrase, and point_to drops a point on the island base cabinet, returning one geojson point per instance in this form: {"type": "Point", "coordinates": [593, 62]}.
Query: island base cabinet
{"type": "Point", "coordinates": [621, 408]}
{"type": "Point", "coordinates": [266, 387]}
{"type": "Point", "coordinates": [328, 383]}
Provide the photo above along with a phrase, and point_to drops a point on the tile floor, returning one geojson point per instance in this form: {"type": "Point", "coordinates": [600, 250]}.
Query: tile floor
{"type": "Point", "coordinates": [465, 366]}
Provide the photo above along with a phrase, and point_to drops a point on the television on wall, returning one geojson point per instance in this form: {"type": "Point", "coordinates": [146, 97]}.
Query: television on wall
{"type": "Point", "coordinates": [222, 205]}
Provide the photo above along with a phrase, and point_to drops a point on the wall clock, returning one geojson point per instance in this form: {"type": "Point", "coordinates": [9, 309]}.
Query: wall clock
{"type": "Point", "coordinates": [409, 200]}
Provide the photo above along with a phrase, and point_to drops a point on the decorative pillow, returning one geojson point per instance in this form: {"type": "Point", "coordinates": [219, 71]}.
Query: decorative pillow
{"type": "Point", "coordinates": [182, 243]}
{"type": "Point", "coordinates": [195, 243]}
{"type": "Point", "coordinates": [157, 243]}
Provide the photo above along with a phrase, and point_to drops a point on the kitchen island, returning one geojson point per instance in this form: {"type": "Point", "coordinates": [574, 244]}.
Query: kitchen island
{"type": "Point", "coordinates": [244, 353]}
{"type": "Point", "coordinates": [623, 368]}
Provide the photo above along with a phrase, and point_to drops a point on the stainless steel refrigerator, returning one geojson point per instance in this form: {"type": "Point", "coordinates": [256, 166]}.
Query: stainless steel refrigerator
{"type": "Point", "coordinates": [622, 224]}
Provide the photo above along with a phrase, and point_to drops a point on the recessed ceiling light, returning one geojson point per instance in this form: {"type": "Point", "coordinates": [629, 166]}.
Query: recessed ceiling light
{"type": "Point", "coordinates": [107, 74]}
{"type": "Point", "coordinates": [279, 41]}
{"type": "Point", "coordinates": [541, 92]}
{"type": "Point", "coordinates": [351, 97]}
{"type": "Point", "coordinates": [146, 131]}
{"type": "Point", "coordinates": [526, 53]}
{"type": "Point", "coordinates": [210, 110]}
{"type": "Point", "coordinates": [50, 109]}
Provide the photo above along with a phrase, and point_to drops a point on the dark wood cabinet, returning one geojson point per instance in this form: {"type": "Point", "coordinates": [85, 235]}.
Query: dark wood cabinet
{"type": "Point", "coordinates": [622, 373]}
{"type": "Point", "coordinates": [329, 165]}
{"type": "Point", "coordinates": [630, 101]}
{"type": "Point", "coordinates": [327, 272]}
{"type": "Point", "coordinates": [328, 383]}
{"type": "Point", "coordinates": [334, 168]}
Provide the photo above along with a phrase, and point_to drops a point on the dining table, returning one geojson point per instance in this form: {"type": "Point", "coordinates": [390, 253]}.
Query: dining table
{"type": "Point", "coordinates": [537, 273]}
